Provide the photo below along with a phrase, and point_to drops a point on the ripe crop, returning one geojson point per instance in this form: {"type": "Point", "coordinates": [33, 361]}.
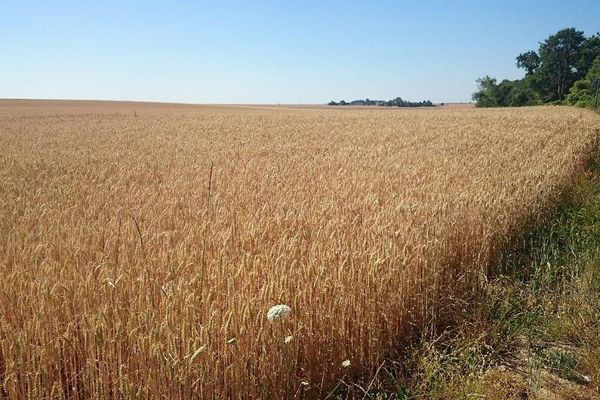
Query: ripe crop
{"type": "Point", "coordinates": [141, 246]}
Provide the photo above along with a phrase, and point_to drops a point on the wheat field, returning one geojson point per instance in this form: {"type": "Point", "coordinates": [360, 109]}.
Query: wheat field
{"type": "Point", "coordinates": [141, 246]}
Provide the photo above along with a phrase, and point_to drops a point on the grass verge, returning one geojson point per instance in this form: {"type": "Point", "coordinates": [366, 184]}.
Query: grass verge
{"type": "Point", "coordinates": [533, 332]}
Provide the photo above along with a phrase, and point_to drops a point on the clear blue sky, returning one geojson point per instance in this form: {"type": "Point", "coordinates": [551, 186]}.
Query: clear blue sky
{"type": "Point", "coordinates": [270, 51]}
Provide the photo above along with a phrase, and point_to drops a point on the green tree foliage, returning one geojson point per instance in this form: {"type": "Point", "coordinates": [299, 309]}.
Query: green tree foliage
{"type": "Point", "coordinates": [397, 102]}
{"type": "Point", "coordinates": [529, 61]}
{"type": "Point", "coordinates": [486, 95]}
{"type": "Point", "coordinates": [562, 62]}
{"type": "Point", "coordinates": [583, 92]}
{"type": "Point", "coordinates": [523, 95]}
{"type": "Point", "coordinates": [504, 94]}
{"type": "Point", "coordinates": [560, 57]}
{"type": "Point", "coordinates": [590, 51]}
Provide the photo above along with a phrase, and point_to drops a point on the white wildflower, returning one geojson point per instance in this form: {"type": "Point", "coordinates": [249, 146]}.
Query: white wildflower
{"type": "Point", "coordinates": [288, 339]}
{"type": "Point", "coordinates": [279, 311]}
{"type": "Point", "coordinates": [346, 363]}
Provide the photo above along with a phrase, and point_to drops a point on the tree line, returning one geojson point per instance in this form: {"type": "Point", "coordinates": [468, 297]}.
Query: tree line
{"type": "Point", "coordinates": [397, 102]}
{"type": "Point", "coordinates": [564, 70]}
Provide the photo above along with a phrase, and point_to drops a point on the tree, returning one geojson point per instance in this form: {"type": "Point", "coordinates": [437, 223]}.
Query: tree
{"type": "Point", "coordinates": [590, 50]}
{"type": "Point", "coordinates": [398, 102]}
{"type": "Point", "coordinates": [583, 92]}
{"type": "Point", "coordinates": [507, 93]}
{"type": "Point", "coordinates": [522, 95]}
{"type": "Point", "coordinates": [485, 96]}
{"type": "Point", "coordinates": [529, 61]}
{"type": "Point", "coordinates": [492, 94]}
{"type": "Point", "coordinates": [560, 65]}
{"type": "Point", "coordinates": [560, 58]}
{"type": "Point", "coordinates": [502, 93]}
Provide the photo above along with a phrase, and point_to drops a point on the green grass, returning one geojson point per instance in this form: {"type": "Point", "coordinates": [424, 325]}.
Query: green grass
{"type": "Point", "coordinates": [533, 331]}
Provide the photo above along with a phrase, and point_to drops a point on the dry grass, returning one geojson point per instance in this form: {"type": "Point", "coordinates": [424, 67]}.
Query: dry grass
{"type": "Point", "coordinates": [123, 275]}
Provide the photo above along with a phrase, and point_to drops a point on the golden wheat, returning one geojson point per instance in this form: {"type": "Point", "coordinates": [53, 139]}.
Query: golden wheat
{"type": "Point", "coordinates": [141, 246]}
